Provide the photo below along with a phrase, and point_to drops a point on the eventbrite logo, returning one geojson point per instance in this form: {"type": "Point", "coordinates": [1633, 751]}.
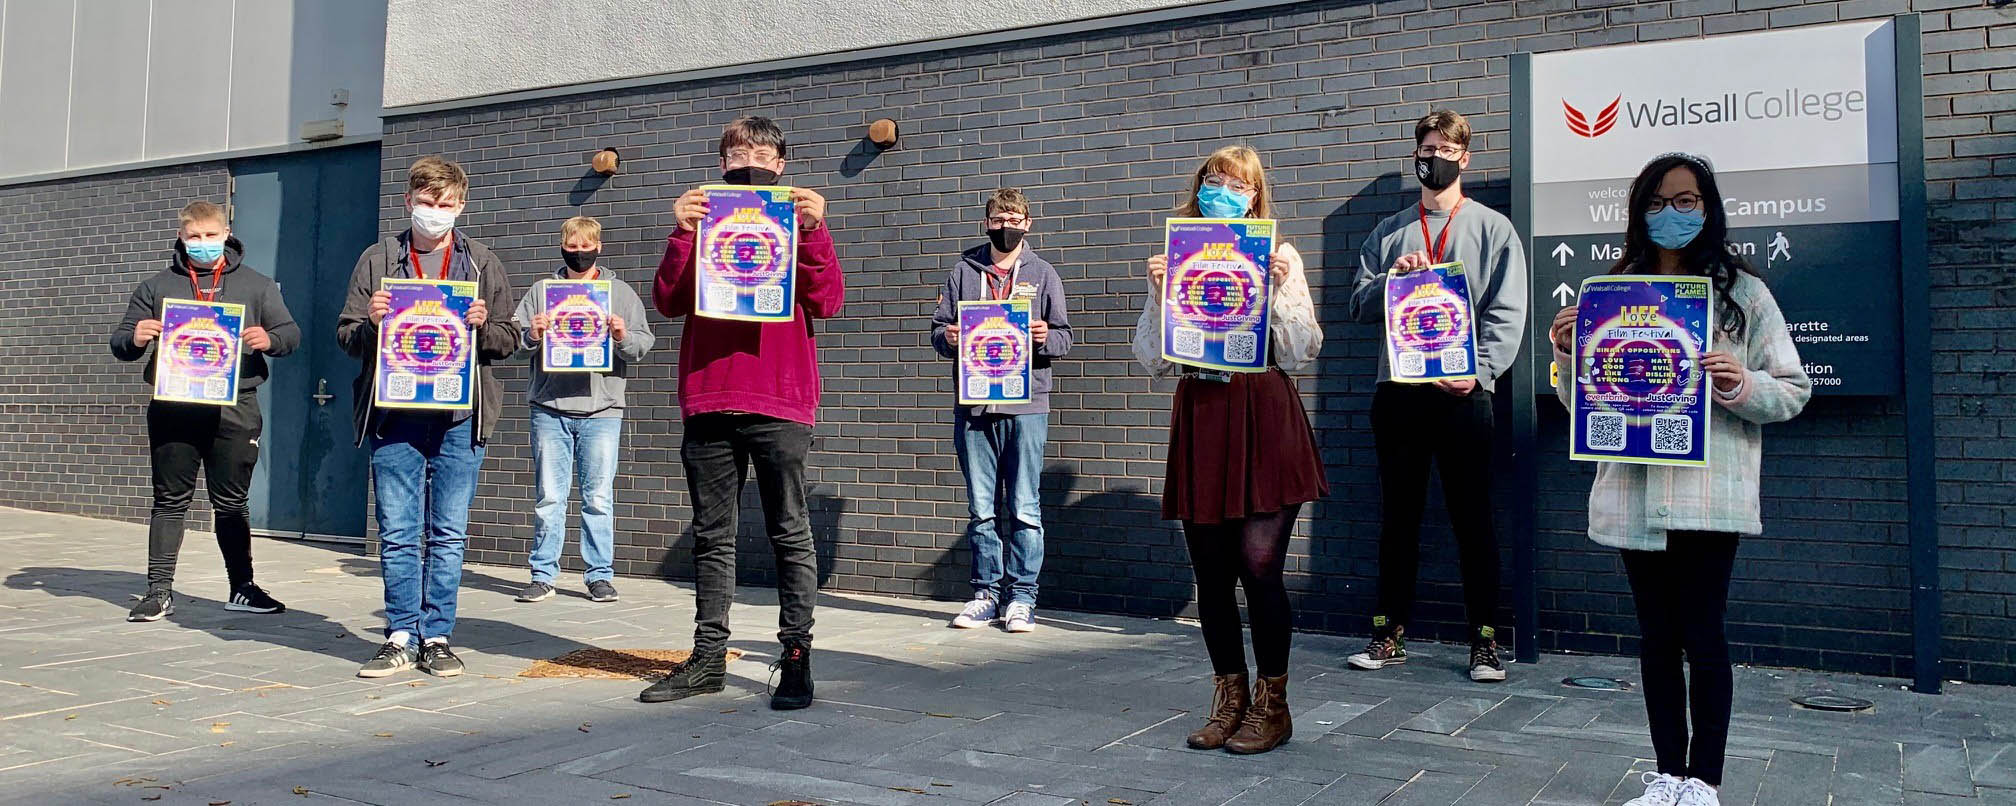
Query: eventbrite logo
{"type": "Point", "coordinates": [1582, 125]}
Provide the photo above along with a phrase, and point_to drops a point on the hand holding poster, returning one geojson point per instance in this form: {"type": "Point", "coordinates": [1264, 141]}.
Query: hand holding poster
{"type": "Point", "coordinates": [747, 266]}
{"type": "Point", "coordinates": [577, 330]}
{"type": "Point", "coordinates": [426, 354]}
{"type": "Point", "coordinates": [1216, 294]}
{"type": "Point", "coordinates": [197, 360]}
{"type": "Point", "coordinates": [994, 347]}
{"type": "Point", "coordinates": [1641, 395]}
{"type": "Point", "coordinates": [1429, 331]}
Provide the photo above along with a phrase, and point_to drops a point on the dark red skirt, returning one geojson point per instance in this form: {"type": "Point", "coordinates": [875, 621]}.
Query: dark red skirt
{"type": "Point", "coordinates": [1238, 449]}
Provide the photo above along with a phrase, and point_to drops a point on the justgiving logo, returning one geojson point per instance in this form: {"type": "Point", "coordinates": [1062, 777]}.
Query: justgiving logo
{"type": "Point", "coordinates": [1580, 123]}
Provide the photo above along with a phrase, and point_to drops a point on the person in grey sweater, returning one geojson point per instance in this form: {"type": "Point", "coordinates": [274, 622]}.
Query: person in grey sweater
{"type": "Point", "coordinates": [577, 421]}
{"type": "Point", "coordinates": [1001, 447]}
{"type": "Point", "coordinates": [1447, 423]}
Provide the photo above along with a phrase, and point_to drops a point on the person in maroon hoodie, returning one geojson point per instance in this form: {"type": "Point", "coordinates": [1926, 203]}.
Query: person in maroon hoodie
{"type": "Point", "coordinates": [748, 392]}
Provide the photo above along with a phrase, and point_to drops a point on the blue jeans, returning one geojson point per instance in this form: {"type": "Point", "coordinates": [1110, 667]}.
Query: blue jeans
{"type": "Point", "coordinates": [569, 449]}
{"type": "Point", "coordinates": [1001, 453]}
{"type": "Point", "coordinates": [424, 470]}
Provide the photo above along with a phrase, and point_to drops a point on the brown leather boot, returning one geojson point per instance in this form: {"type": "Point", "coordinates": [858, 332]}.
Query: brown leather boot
{"type": "Point", "coordinates": [1266, 725]}
{"type": "Point", "coordinates": [1228, 707]}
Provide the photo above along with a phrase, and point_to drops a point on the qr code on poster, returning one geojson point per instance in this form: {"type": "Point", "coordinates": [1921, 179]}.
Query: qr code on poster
{"type": "Point", "coordinates": [1411, 365]}
{"type": "Point", "coordinates": [1672, 433]}
{"type": "Point", "coordinates": [977, 387]}
{"type": "Point", "coordinates": [1603, 431]}
{"type": "Point", "coordinates": [1242, 348]}
{"type": "Point", "coordinates": [769, 299]}
{"type": "Point", "coordinates": [1455, 360]}
{"type": "Point", "coordinates": [592, 356]}
{"type": "Point", "coordinates": [447, 388]}
{"type": "Point", "coordinates": [402, 386]}
{"type": "Point", "coordinates": [1187, 342]}
{"type": "Point", "coordinates": [720, 297]}
{"type": "Point", "coordinates": [1013, 388]}
{"type": "Point", "coordinates": [214, 389]}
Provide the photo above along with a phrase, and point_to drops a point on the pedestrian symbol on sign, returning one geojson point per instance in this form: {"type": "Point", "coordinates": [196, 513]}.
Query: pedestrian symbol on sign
{"type": "Point", "coordinates": [1779, 246]}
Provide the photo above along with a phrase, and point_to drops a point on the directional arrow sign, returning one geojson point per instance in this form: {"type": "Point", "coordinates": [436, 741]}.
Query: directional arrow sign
{"type": "Point", "coordinates": [1562, 253]}
{"type": "Point", "coordinates": [1562, 292]}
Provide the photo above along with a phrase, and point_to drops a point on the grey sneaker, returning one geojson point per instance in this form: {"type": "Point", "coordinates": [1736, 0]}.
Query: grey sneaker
{"type": "Point", "coordinates": [979, 612]}
{"type": "Point", "coordinates": [437, 660]}
{"type": "Point", "coordinates": [601, 591]}
{"type": "Point", "coordinates": [391, 659]}
{"type": "Point", "coordinates": [155, 606]}
{"type": "Point", "coordinates": [1021, 617]}
{"type": "Point", "coordinates": [536, 592]}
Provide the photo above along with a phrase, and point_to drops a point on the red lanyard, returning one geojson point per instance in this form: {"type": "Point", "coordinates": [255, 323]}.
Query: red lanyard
{"type": "Point", "coordinates": [216, 280]}
{"type": "Point", "coordinates": [1435, 246]}
{"type": "Point", "coordinates": [1007, 284]}
{"type": "Point", "coordinates": [447, 252]}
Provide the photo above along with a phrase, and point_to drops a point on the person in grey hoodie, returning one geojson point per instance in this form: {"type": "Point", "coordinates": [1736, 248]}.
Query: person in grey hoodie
{"type": "Point", "coordinates": [577, 420]}
{"type": "Point", "coordinates": [1001, 447]}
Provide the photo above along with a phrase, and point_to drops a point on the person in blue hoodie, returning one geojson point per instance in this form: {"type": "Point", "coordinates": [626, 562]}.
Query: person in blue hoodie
{"type": "Point", "coordinates": [1001, 447]}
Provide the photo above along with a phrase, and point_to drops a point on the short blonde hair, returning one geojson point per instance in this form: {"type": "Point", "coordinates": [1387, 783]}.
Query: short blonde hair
{"type": "Point", "coordinates": [438, 176]}
{"type": "Point", "coordinates": [1238, 162]}
{"type": "Point", "coordinates": [202, 211]}
{"type": "Point", "coordinates": [585, 226]}
{"type": "Point", "coordinates": [1007, 200]}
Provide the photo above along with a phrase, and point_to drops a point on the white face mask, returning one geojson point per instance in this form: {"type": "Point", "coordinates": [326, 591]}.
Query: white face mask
{"type": "Point", "coordinates": [432, 222]}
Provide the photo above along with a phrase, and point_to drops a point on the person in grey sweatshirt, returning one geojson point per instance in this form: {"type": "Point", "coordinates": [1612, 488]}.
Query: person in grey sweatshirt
{"type": "Point", "coordinates": [1001, 447]}
{"type": "Point", "coordinates": [1447, 423]}
{"type": "Point", "coordinates": [577, 421]}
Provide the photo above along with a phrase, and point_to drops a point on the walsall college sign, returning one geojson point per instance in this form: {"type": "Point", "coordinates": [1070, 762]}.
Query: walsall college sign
{"type": "Point", "coordinates": [1801, 126]}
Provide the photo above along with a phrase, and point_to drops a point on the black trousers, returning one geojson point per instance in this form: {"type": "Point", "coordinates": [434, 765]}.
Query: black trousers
{"type": "Point", "coordinates": [1414, 426]}
{"type": "Point", "coordinates": [223, 441]}
{"type": "Point", "coordinates": [717, 451]}
{"type": "Point", "coordinates": [1682, 595]}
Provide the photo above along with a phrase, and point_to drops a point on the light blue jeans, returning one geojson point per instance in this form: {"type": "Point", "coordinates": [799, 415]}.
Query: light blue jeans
{"type": "Point", "coordinates": [424, 468]}
{"type": "Point", "coordinates": [1000, 454]}
{"type": "Point", "coordinates": [567, 450]}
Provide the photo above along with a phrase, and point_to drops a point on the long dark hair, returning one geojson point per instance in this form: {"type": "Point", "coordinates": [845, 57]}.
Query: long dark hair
{"type": "Point", "coordinates": [1707, 255]}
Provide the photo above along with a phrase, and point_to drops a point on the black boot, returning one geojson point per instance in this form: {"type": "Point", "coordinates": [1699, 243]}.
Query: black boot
{"type": "Point", "coordinates": [702, 673]}
{"type": "Point", "coordinates": [795, 691]}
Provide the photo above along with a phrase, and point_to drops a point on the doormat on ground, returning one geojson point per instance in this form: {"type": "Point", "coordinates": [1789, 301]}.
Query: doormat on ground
{"type": "Point", "coordinates": [614, 664]}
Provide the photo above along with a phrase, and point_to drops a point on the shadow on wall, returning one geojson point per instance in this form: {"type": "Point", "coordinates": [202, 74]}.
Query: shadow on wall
{"type": "Point", "coordinates": [1109, 549]}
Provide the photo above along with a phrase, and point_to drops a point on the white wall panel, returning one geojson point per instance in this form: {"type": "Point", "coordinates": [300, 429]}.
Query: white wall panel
{"type": "Point", "coordinates": [35, 84]}
{"type": "Point", "coordinates": [108, 85]}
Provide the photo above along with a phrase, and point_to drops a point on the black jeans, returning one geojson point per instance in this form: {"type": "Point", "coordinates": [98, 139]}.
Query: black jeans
{"type": "Point", "coordinates": [1247, 552]}
{"type": "Point", "coordinates": [1682, 595]}
{"type": "Point", "coordinates": [224, 442]}
{"type": "Point", "coordinates": [1412, 426]}
{"type": "Point", "coordinates": [717, 452]}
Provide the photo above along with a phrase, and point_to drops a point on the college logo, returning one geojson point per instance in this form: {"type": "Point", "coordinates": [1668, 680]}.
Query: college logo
{"type": "Point", "coordinates": [1580, 123]}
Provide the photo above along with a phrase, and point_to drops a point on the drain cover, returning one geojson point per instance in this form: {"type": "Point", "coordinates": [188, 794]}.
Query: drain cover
{"type": "Point", "coordinates": [1597, 683]}
{"type": "Point", "coordinates": [1833, 702]}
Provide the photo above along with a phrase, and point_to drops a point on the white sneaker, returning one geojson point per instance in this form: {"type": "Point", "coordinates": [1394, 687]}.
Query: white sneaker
{"type": "Point", "coordinates": [978, 613]}
{"type": "Point", "coordinates": [1660, 790]}
{"type": "Point", "coordinates": [1696, 792]}
{"type": "Point", "coordinates": [1021, 617]}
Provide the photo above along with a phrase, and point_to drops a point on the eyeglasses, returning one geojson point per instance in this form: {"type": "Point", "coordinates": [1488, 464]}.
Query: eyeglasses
{"type": "Point", "coordinates": [751, 155]}
{"type": "Point", "coordinates": [1222, 181]}
{"type": "Point", "coordinates": [1685, 202]}
{"type": "Point", "coordinates": [1016, 221]}
{"type": "Point", "coordinates": [1446, 152]}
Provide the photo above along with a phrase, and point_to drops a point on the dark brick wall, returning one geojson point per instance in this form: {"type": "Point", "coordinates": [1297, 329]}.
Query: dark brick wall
{"type": "Point", "coordinates": [73, 420]}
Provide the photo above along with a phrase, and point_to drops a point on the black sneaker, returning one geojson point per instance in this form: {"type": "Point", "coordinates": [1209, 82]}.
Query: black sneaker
{"type": "Point", "coordinates": [601, 591]}
{"type": "Point", "coordinates": [1485, 665]}
{"type": "Point", "coordinates": [700, 674]}
{"type": "Point", "coordinates": [795, 691]}
{"type": "Point", "coordinates": [252, 599]}
{"type": "Point", "coordinates": [536, 592]}
{"type": "Point", "coordinates": [158, 604]}
{"type": "Point", "coordinates": [437, 660]}
{"type": "Point", "coordinates": [391, 659]}
{"type": "Point", "coordinates": [1388, 646]}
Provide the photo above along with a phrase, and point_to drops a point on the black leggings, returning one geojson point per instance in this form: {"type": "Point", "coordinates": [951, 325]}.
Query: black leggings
{"type": "Point", "coordinates": [1683, 596]}
{"type": "Point", "coordinates": [1245, 552]}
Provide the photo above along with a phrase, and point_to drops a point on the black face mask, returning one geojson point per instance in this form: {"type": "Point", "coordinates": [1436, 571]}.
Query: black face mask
{"type": "Point", "coordinates": [580, 260]}
{"type": "Point", "coordinates": [749, 175]}
{"type": "Point", "coordinates": [1005, 239]}
{"type": "Point", "coordinates": [1436, 173]}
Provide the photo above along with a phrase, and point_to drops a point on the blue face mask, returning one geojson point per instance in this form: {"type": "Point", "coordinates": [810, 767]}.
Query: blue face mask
{"type": "Point", "coordinates": [1672, 229]}
{"type": "Point", "coordinates": [1222, 202]}
{"type": "Point", "coordinates": [204, 253]}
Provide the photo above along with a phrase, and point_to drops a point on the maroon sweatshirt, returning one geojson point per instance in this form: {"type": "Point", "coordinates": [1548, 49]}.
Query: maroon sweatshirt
{"type": "Point", "coordinates": [766, 368]}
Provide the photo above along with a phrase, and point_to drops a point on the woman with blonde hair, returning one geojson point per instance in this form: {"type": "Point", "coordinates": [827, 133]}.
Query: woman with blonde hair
{"type": "Point", "coordinates": [1242, 462]}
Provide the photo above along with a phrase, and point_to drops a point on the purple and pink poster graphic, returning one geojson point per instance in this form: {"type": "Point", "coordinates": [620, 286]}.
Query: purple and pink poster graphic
{"type": "Point", "coordinates": [1640, 394]}
{"type": "Point", "coordinates": [994, 346]}
{"type": "Point", "coordinates": [426, 352]}
{"type": "Point", "coordinates": [1216, 294]}
{"type": "Point", "coordinates": [577, 331]}
{"type": "Point", "coordinates": [1429, 331]}
{"type": "Point", "coordinates": [747, 265]}
{"type": "Point", "coordinates": [198, 357]}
